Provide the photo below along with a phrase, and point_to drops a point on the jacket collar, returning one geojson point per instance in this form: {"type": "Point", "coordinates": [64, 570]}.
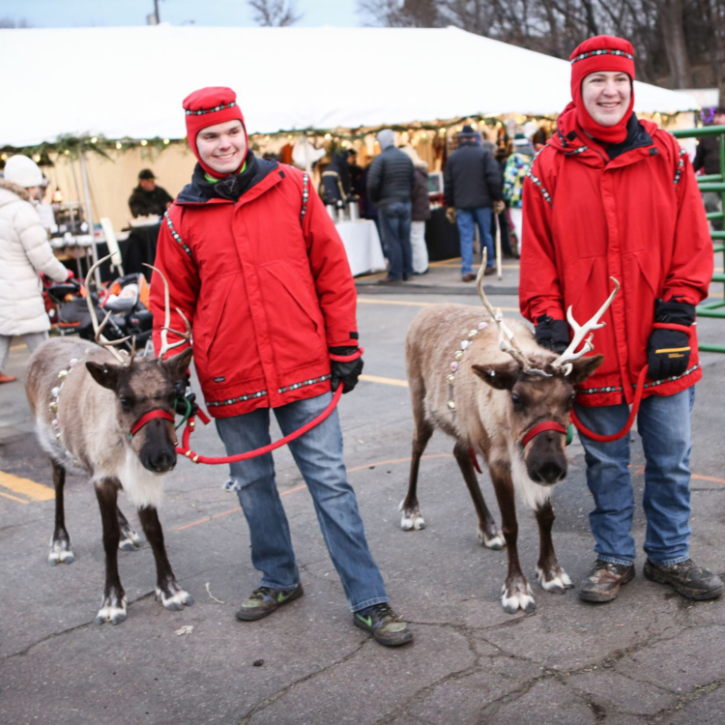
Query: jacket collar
{"type": "Point", "coordinates": [571, 140]}
{"type": "Point", "coordinates": [202, 191]}
{"type": "Point", "coordinates": [15, 189]}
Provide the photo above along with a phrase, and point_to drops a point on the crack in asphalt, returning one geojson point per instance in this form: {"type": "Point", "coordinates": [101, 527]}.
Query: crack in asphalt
{"type": "Point", "coordinates": [280, 693]}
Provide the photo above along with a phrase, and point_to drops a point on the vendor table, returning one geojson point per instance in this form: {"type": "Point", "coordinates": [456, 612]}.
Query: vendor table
{"type": "Point", "coordinates": [362, 245]}
{"type": "Point", "coordinates": [441, 237]}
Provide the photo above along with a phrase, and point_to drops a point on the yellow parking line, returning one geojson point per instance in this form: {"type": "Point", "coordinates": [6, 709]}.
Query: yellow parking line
{"type": "Point", "coordinates": [384, 381]}
{"type": "Point", "coordinates": [24, 486]}
{"type": "Point", "coordinates": [373, 301]}
{"type": "Point", "coordinates": [13, 498]}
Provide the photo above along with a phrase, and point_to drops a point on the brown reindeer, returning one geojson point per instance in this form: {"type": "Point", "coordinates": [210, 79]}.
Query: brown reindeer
{"type": "Point", "coordinates": [488, 385]}
{"type": "Point", "coordinates": [111, 416]}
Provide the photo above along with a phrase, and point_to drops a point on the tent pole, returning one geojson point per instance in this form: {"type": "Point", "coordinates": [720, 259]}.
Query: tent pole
{"type": "Point", "coordinates": [89, 211]}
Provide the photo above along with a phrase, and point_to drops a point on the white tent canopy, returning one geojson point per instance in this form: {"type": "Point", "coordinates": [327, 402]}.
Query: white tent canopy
{"type": "Point", "coordinates": [130, 82]}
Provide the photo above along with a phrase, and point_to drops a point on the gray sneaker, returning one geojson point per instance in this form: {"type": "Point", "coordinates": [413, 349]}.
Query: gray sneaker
{"type": "Point", "coordinates": [384, 625]}
{"type": "Point", "coordinates": [686, 578]}
{"type": "Point", "coordinates": [266, 600]}
{"type": "Point", "coordinates": [604, 580]}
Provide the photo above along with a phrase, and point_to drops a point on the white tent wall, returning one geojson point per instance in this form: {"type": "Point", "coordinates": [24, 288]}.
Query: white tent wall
{"type": "Point", "coordinates": [112, 180]}
{"type": "Point", "coordinates": [120, 82]}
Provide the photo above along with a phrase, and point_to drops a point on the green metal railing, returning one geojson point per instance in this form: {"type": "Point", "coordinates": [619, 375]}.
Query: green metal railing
{"type": "Point", "coordinates": [712, 182]}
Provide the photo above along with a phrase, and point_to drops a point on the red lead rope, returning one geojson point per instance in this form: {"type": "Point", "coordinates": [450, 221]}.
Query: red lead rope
{"type": "Point", "coordinates": [185, 450]}
{"type": "Point", "coordinates": [630, 422]}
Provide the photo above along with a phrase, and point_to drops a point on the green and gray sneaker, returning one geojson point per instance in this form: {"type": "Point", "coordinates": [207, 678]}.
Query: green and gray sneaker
{"type": "Point", "coordinates": [385, 626]}
{"type": "Point", "coordinates": [266, 600]}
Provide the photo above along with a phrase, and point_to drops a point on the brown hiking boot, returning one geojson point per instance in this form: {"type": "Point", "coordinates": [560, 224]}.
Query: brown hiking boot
{"type": "Point", "coordinates": [603, 582]}
{"type": "Point", "coordinates": [687, 578]}
{"type": "Point", "coordinates": [470, 277]}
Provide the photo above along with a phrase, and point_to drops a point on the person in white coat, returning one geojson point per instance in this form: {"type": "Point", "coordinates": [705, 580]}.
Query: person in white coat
{"type": "Point", "coordinates": [24, 253]}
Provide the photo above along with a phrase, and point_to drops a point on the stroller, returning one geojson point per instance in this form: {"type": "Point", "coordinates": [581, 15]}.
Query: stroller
{"type": "Point", "coordinates": [126, 298]}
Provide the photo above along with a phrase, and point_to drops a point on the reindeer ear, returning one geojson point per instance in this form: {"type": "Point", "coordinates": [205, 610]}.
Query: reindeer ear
{"type": "Point", "coordinates": [177, 365]}
{"type": "Point", "coordinates": [501, 376]}
{"type": "Point", "coordinates": [583, 368]}
{"type": "Point", "coordinates": [104, 374]}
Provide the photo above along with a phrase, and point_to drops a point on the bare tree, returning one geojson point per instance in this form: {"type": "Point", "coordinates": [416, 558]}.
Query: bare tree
{"type": "Point", "coordinates": [274, 13]}
{"type": "Point", "coordinates": [402, 13]}
{"type": "Point", "coordinates": [8, 22]}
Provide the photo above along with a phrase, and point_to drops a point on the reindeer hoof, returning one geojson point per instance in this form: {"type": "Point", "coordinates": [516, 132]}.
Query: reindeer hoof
{"type": "Point", "coordinates": [61, 553]}
{"type": "Point", "coordinates": [516, 597]}
{"type": "Point", "coordinates": [495, 542]}
{"type": "Point", "coordinates": [176, 598]}
{"type": "Point", "coordinates": [112, 611]}
{"type": "Point", "coordinates": [556, 583]}
{"type": "Point", "coordinates": [130, 542]}
{"type": "Point", "coordinates": [412, 519]}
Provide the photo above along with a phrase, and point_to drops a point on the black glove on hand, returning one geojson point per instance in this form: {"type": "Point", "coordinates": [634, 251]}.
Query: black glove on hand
{"type": "Point", "coordinates": [345, 372]}
{"type": "Point", "coordinates": [552, 334]}
{"type": "Point", "coordinates": [668, 351]}
{"type": "Point", "coordinates": [180, 391]}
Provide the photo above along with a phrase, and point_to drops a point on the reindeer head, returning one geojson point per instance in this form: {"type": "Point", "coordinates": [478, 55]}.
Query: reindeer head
{"type": "Point", "coordinates": [541, 388]}
{"type": "Point", "coordinates": [145, 389]}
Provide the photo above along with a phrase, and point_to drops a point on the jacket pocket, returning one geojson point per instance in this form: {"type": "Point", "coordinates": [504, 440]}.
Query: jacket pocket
{"type": "Point", "coordinates": [296, 324]}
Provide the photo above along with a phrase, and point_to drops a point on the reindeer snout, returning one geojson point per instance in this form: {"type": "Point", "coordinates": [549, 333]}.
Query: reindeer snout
{"type": "Point", "coordinates": [549, 472]}
{"type": "Point", "coordinates": [159, 460]}
{"type": "Point", "coordinates": [546, 461]}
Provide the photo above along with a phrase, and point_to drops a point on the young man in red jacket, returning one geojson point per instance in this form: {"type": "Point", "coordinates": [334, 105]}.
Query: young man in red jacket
{"type": "Point", "coordinates": [255, 264]}
{"type": "Point", "coordinates": [613, 196]}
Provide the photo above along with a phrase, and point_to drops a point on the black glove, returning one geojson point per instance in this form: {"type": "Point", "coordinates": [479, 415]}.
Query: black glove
{"type": "Point", "coordinates": [668, 350]}
{"type": "Point", "coordinates": [183, 393]}
{"type": "Point", "coordinates": [345, 372]}
{"type": "Point", "coordinates": [552, 334]}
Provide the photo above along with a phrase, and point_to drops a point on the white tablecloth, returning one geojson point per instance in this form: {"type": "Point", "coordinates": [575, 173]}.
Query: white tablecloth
{"type": "Point", "coordinates": [362, 245]}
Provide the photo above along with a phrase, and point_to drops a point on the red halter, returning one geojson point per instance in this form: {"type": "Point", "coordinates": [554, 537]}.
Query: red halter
{"type": "Point", "coordinates": [542, 428]}
{"type": "Point", "coordinates": [146, 417]}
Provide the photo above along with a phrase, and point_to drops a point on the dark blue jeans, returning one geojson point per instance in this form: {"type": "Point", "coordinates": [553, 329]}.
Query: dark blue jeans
{"type": "Point", "coordinates": [318, 455]}
{"type": "Point", "coordinates": [395, 221]}
{"type": "Point", "coordinates": [467, 219]}
{"type": "Point", "coordinates": [664, 425]}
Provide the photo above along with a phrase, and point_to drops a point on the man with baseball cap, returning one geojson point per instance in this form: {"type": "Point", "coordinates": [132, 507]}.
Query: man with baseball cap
{"type": "Point", "coordinates": [149, 198]}
{"type": "Point", "coordinates": [255, 264]}
{"type": "Point", "coordinates": [611, 196]}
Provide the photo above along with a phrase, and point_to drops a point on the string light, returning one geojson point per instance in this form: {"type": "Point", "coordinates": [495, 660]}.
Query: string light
{"type": "Point", "coordinates": [36, 158]}
{"type": "Point", "coordinates": [94, 139]}
{"type": "Point", "coordinates": [144, 142]}
{"type": "Point", "coordinates": [118, 144]}
{"type": "Point", "coordinates": [166, 142]}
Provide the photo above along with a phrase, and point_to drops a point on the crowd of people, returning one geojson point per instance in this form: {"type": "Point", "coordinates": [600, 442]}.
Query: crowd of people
{"type": "Point", "coordinates": [255, 263]}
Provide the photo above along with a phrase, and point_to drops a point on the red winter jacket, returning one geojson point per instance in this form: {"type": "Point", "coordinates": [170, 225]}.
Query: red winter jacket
{"type": "Point", "coordinates": [638, 218]}
{"type": "Point", "coordinates": [266, 285]}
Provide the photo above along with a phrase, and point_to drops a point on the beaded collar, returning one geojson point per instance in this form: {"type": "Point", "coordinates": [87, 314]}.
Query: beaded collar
{"type": "Point", "coordinates": [458, 356]}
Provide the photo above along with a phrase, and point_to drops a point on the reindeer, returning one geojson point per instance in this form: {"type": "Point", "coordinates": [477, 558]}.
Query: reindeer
{"type": "Point", "coordinates": [110, 415]}
{"type": "Point", "coordinates": [501, 396]}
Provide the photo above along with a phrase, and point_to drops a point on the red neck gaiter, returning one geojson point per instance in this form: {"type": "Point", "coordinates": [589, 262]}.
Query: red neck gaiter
{"type": "Point", "coordinates": [601, 53]}
{"type": "Point", "coordinates": [207, 107]}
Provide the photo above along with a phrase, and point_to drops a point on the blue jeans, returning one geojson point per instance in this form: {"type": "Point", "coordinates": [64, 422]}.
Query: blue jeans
{"type": "Point", "coordinates": [394, 220]}
{"type": "Point", "coordinates": [664, 425]}
{"type": "Point", "coordinates": [318, 455]}
{"type": "Point", "coordinates": [467, 219]}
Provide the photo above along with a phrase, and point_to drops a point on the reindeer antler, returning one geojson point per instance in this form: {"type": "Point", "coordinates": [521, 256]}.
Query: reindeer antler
{"type": "Point", "coordinates": [98, 329]}
{"type": "Point", "coordinates": [506, 340]}
{"type": "Point", "coordinates": [580, 333]}
{"type": "Point", "coordinates": [166, 329]}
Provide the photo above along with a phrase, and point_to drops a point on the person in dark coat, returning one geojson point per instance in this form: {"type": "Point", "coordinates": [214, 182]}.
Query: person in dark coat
{"type": "Point", "coordinates": [147, 198]}
{"type": "Point", "coordinates": [335, 185]}
{"type": "Point", "coordinates": [391, 181]}
{"type": "Point", "coordinates": [420, 212]}
{"type": "Point", "coordinates": [707, 159]}
{"type": "Point", "coordinates": [472, 191]}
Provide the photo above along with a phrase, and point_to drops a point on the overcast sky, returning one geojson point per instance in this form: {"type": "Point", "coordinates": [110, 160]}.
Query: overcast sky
{"type": "Point", "coordinates": [78, 13]}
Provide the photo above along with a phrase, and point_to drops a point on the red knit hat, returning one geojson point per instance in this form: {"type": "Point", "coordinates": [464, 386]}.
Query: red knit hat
{"type": "Point", "coordinates": [601, 53]}
{"type": "Point", "coordinates": [207, 107]}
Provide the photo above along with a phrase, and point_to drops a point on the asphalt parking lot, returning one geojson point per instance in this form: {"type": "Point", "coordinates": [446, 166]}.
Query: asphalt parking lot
{"type": "Point", "coordinates": [649, 657]}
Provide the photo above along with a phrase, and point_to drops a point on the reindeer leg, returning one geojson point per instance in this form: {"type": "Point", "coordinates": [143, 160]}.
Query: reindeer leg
{"type": "Point", "coordinates": [412, 519]}
{"type": "Point", "coordinates": [488, 533]}
{"type": "Point", "coordinates": [550, 575]}
{"type": "Point", "coordinates": [60, 550]}
{"type": "Point", "coordinates": [113, 608]}
{"type": "Point", "coordinates": [130, 540]}
{"type": "Point", "coordinates": [172, 596]}
{"type": "Point", "coordinates": [516, 590]}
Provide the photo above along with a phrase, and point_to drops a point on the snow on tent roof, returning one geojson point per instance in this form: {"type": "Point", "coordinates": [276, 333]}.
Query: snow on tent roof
{"type": "Point", "coordinates": [130, 82]}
